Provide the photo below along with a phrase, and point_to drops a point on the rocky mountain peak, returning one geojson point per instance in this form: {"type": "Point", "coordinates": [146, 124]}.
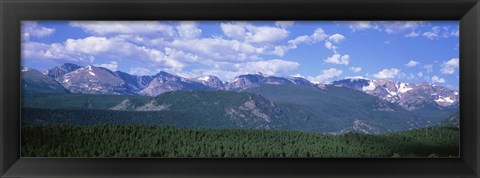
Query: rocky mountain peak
{"type": "Point", "coordinates": [61, 70]}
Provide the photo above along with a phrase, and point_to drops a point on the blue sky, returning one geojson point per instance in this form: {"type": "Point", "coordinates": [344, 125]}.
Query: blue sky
{"type": "Point", "coordinates": [321, 51]}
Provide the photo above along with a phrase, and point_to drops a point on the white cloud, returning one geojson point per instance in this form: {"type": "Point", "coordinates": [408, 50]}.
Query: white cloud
{"type": "Point", "coordinates": [113, 65]}
{"type": "Point", "coordinates": [284, 24]}
{"type": "Point", "coordinates": [124, 27]}
{"type": "Point", "coordinates": [188, 30]}
{"type": "Point", "coordinates": [338, 59]}
{"type": "Point", "coordinates": [363, 25]}
{"type": "Point", "coordinates": [269, 67]}
{"type": "Point", "coordinates": [412, 63]}
{"type": "Point", "coordinates": [430, 35]}
{"type": "Point", "coordinates": [253, 34]}
{"type": "Point", "coordinates": [337, 38]}
{"type": "Point", "coordinates": [428, 68]}
{"type": "Point", "coordinates": [326, 75]}
{"type": "Point", "coordinates": [141, 71]}
{"type": "Point", "coordinates": [438, 32]}
{"type": "Point", "coordinates": [56, 51]}
{"type": "Point", "coordinates": [449, 67]}
{"type": "Point", "coordinates": [89, 45]}
{"type": "Point", "coordinates": [412, 34]}
{"type": "Point", "coordinates": [280, 50]}
{"type": "Point", "coordinates": [355, 69]}
{"type": "Point", "coordinates": [299, 40]}
{"type": "Point", "coordinates": [234, 30]}
{"type": "Point", "coordinates": [401, 26]}
{"type": "Point", "coordinates": [218, 49]}
{"type": "Point", "coordinates": [319, 34]}
{"type": "Point", "coordinates": [31, 28]}
{"type": "Point", "coordinates": [89, 48]}
{"type": "Point", "coordinates": [329, 45]}
{"type": "Point", "coordinates": [436, 79]}
{"type": "Point", "coordinates": [388, 73]}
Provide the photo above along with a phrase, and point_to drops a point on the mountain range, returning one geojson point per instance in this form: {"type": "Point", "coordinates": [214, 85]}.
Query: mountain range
{"type": "Point", "coordinates": [98, 80]}
{"type": "Point", "coordinates": [248, 101]}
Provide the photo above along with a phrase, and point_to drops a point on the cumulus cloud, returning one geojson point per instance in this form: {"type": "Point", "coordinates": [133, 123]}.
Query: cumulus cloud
{"type": "Point", "coordinates": [337, 38]}
{"type": "Point", "coordinates": [253, 34]}
{"type": "Point", "coordinates": [449, 67]}
{"type": "Point", "coordinates": [329, 45]}
{"type": "Point", "coordinates": [124, 27]}
{"type": "Point", "coordinates": [284, 24]}
{"type": "Point", "coordinates": [219, 49]}
{"type": "Point", "coordinates": [408, 29]}
{"type": "Point", "coordinates": [338, 59]}
{"type": "Point", "coordinates": [188, 30]}
{"type": "Point", "coordinates": [319, 34]}
{"type": "Point", "coordinates": [355, 69]}
{"type": "Point", "coordinates": [436, 79]}
{"type": "Point", "coordinates": [434, 34]}
{"type": "Point", "coordinates": [269, 67]}
{"type": "Point", "coordinates": [388, 73]}
{"type": "Point", "coordinates": [401, 26]}
{"type": "Point", "coordinates": [412, 34]}
{"type": "Point", "coordinates": [412, 63]}
{"type": "Point", "coordinates": [87, 49]}
{"type": "Point", "coordinates": [299, 40]}
{"type": "Point", "coordinates": [113, 65]}
{"type": "Point", "coordinates": [31, 28]}
{"type": "Point", "coordinates": [326, 75]}
{"type": "Point", "coordinates": [363, 25]}
{"type": "Point", "coordinates": [438, 32]}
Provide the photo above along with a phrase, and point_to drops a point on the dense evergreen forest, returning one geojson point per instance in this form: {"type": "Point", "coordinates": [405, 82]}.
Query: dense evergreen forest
{"type": "Point", "coordinates": [158, 141]}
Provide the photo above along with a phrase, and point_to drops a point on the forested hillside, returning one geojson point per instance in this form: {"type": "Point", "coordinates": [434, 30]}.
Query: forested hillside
{"type": "Point", "coordinates": [153, 141]}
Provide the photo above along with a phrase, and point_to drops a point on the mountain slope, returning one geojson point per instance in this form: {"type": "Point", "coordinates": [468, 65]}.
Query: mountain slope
{"type": "Point", "coordinates": [61, 70]}
{"type": "Point", "coordinates": [165, 82]}
{"type": "Point", "coordinates": [243, 82]}
{"type": "Point", "coordinates": [343, 107]}
{"type": "Point", "coordinates": [186, 108]}
{"type": "Point", "coordinates": [94, 80]}
{"type": "Point", "coordinates": [34, 82]}
{"type": "Point", "coordinates": [409, 96]}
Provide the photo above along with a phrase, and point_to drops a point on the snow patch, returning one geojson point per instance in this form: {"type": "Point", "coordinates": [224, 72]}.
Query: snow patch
{"type": "Point", "coordinates": [442, 99]}
{"type": "Point", "coordinates": [371, 86]}
{"type": "Point", "coordinates": [391, 92]}
{"type": "Point", "coordinates": [404, 88]}
{"type": "Point", "coordinates": [91, 73]}
{"type": "Point", "coordinates": [206, 78]}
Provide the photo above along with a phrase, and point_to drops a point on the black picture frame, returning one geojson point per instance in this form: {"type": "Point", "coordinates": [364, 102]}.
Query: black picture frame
{"type": "Point", "coordinates": [13, 11]}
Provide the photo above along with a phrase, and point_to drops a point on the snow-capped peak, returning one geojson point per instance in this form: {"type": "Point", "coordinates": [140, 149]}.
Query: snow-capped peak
{"type": "Point", "coordinates": [205, 78]}
{"type": "Point", "coordinates": [404, 88]}
{"type": "Point", "coordinates": [24, 69]}
{"type": "Point", "coordinates": [371, 86]}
